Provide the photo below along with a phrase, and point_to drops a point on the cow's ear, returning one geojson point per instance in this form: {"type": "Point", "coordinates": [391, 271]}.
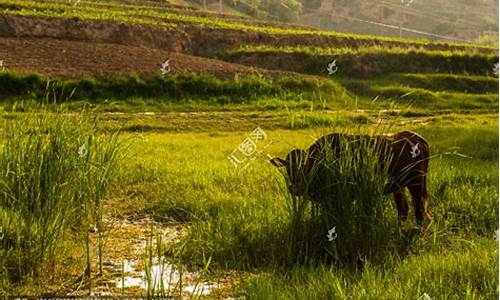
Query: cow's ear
{"type": "Point", "coordinates": [278, 162]}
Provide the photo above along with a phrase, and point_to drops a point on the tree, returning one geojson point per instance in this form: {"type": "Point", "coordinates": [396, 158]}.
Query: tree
{"type": "Point", "coordinates": [284, 10]}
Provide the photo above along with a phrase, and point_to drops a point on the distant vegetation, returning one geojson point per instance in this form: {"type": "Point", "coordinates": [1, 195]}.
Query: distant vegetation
{"type": "Point", "coordinates": [473, 20]}
{"type": "Point", "coordinates": [282, 10]}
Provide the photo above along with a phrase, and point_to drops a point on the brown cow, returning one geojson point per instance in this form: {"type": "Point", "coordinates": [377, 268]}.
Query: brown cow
{"type": "Point", "coordinates": [407, 154]}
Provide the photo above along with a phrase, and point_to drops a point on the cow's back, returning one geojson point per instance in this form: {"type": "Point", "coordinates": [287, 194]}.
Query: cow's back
{"type": "Point", "coordinates": [406, 152]}
{"type": "Point", "coordinates": [333, 142]}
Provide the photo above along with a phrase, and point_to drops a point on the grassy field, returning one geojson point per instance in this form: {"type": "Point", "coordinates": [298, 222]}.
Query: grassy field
{"type": "Point", "coordinates": [235, 227]}
{"type": "Point", "coordinates": [239, 218]}
{"type": "Point", "coordinates": [129, 185]}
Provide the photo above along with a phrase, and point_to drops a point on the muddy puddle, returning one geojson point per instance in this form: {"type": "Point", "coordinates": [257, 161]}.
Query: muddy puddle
{"type": "Point", "coordinates": [127, 269]}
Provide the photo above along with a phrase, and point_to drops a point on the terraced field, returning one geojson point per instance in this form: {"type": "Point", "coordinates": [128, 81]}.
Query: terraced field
{"type": "Point", "coordinates": [119, 119]}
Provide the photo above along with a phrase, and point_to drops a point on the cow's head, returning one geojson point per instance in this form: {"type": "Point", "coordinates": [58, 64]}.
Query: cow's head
{"type": "Point", "coordinates": [295, 165]}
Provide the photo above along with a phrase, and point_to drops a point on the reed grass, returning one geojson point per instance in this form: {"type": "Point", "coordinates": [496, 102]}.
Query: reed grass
{"type": "Point", "coordinates": [55, 173]}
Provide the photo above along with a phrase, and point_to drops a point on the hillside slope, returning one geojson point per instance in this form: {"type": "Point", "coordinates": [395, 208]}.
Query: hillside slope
{"type": "Point", "coordinates": [120, 38]}
{"type": "Point", "coordinates": [441, 19]}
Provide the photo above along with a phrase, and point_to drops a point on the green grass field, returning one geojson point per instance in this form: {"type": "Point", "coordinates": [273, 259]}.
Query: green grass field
{"type": "Point", "coordinates": [238, 218]}
{"type": "Point", "coordinates": [175, 167]}
{"type": "Point", "coordinates": [107, 182]}
{"type": "Point", "coordinates": [236, 221]}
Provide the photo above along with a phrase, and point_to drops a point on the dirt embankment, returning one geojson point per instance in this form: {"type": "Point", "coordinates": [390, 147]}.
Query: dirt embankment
{"type": "Point", "coordinates": [211, 41]}
{"type": "Point", "coordinates": [74, 29]}
{"type": "Point", "coordinates": [367, 64]}
{"type": "Point", "coordinates": [189, 39]}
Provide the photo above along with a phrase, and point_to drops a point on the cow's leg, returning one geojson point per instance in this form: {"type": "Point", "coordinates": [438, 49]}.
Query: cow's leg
{"type": "Point", "coordinates": [420, 200]}
{"type": "Point", "coordinates": [401, 204]}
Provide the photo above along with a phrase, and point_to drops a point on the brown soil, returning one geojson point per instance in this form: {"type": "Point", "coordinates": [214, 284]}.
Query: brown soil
{"type": "Point", "coordinates": [72, 59]}
{"type": "Point", "coordinates": [190, 39]}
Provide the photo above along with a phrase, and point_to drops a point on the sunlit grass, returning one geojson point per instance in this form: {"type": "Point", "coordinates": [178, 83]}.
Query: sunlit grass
{"type": "Point", "coordinates": [239, 217]}
{"type": "Point", "coordinates": [470, 273]}
{"type": "Point", "coordinates": [55, 176]}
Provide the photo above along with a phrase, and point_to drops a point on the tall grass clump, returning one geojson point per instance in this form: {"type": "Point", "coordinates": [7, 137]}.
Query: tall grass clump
{"type": "Point", "coordinates": [341, 190]}
{"type": "Point", "coordinates": [55, 170]}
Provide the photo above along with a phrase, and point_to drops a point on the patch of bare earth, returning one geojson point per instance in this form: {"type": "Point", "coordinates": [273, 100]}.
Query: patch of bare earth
{"type": "Point", "coordinates": [73, 59]}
